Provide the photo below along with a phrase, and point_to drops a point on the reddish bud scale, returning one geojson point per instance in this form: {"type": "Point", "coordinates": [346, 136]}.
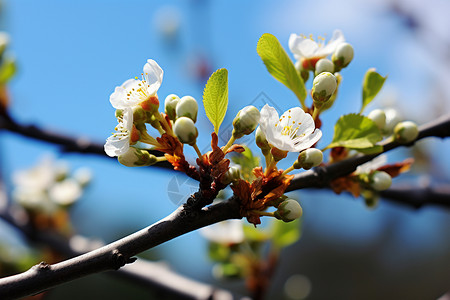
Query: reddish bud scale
{"type": "Point", "coordinates": [310, 63]}
{"type": "Point", "coordinates": [151, 104]}
{"type": "Point", "coordinates": [135, 135]}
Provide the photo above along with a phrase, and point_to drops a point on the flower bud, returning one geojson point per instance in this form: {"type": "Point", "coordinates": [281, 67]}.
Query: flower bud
{"type": "Point", "coordinates": [310, 158]}
{"type": "Point", "coordinates": [342, 56]}
{"type": "Point", "coordinates": [185, 130]}
{"type": "Point", "coordinates": [187, 107]}
{"type": "Point", "coordinates": [246, 121]}
{"type": "Point", "coordinates": [405, 132]}
{"type": "Point", "coordinates": [233, 174]}
{"type": "Point", "coordinates": [137, 158]}
{"type": "Point", "coordinates": [324, 86]}
{"type": "Point", "coordinates": [304, 73]}
{"type": "Point", "coordinates": [170, 105]}
{"type": "Point", "coordinates": [261, 140]}
{"type": "Point", "coordinates": [380, 180]}
{"type": "Point", "coordinates": [370, 198]}
{"type": "Point", "coordinates": [393, 117]}
{"type": "Point", "coordinates": [324, 65]}
{"type": "Point", "coordinates": [378, 117]}
{"type": "Point", "coordinates": [288, 211]}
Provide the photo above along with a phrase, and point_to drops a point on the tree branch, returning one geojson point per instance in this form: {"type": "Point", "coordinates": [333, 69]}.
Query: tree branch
{"type": "Point", "coordinates": [115, 255]}
{"type": "Point", "coordinates": [320, 177]}
{"type": "Point", "coordinates": [67, 143]}
{"type": "Point", "coordinates": [419, 196]}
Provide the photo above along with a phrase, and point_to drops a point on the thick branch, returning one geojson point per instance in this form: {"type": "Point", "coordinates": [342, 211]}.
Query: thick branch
{"type": "Point", "coordinates": [117, 254]}
{"type": "Point", "coordinates": [419, 196]}
{"type": "Point", "coordinates": [320, 177]}
{"type": "Point", "coordinates": [67, 143]}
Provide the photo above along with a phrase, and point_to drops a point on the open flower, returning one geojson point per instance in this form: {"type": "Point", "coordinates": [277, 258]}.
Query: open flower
{"type": "Point", "coordinates": [309, 51]}
{"type": "Point", "coordinates": [135, 91]}
{"type": "Point", "coordinates": [119, 142]}
{"type": "Point", "coordinates": [372, 165]}
{"type": "Point", "coordinates": [293, 132]}
{"type": "Point", "coordinates": [225, 232]}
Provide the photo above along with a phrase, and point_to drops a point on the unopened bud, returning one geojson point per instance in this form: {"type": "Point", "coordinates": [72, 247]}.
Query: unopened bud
{"type": "Point", "coordinates": [370, 198]}
{"type": "Point", "coordinates": [170, 105]}
{"type": "Point", "coordinates": [342, 56]}
{"type": "Point", "coordinates": [288, 211]}
{"type": "Point", "coordinates": [246, 121]}
{"type": "Point", "coordinates": [304, 73]}
{"type": "Point", "coordinates": [310, 158]}
{"type": "Point", "coordinates": [378, 117]}
{"type": "Point", "coordinates": [261, 140]}
{"type": "Point", "coordinates": [380, 180]}
{"type": "Point", "coordinates": [137, 158]}
{"type": "Point", "coordinates": [187, 107]}
{"type": "Point", "coordinates": [323, 88]}
{"type": "Point", "coordinates": [324, 65]}
{"type": "Point", "coordinates": [185, 130]}
{"type": "Point", "coordinates": [393, 117]}
{"type": "Point", "coordinates": [405, 132]}
{"type": "Point", "coordinates": [233, 174]}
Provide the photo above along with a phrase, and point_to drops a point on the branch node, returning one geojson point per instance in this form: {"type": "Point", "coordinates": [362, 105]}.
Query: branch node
{"type": "Point", "coordinates": [119, 260]}
{"type": "Point", "coordinates": [42, 266]}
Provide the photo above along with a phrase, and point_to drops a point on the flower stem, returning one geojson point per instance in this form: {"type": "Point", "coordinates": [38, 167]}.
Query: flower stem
{"type": "Point", "coordinates": [197, 150]}
{"type": "Point", "coordinates": [290, 169]}
{"type": "Point", "coordinates": [148, 139]}
{"type": "Point", "coordinates": [316, 113]}
{"type": "Point", "coordinates": [163, 123]}
{"type": "Point", "coordinates": [263, 213]}
{"type": "Point", "coordinates": [272, 165]}
{"type": "Point", "coordinates": [229, 144]}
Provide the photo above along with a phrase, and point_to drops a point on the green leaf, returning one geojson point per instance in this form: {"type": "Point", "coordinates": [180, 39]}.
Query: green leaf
{"type": "Point", "coordinates": [215, 97]}
{"type": "Point", "coordinates": [372, 84]}
{"type": "Point", "coordinates": [280, 65]}
{"type": "Point", "coordinates": [285, 234]}
{"type": "Point", "coordinates": [355, 131]}
{"type": "Point", "coordinates": [7, 70]}
{"type": "Point", "coordinates": [373, 150]}
{"type": "Point", "coordinates": [256, 234]}
{"type": "Point", "coordinates": [218, 252]}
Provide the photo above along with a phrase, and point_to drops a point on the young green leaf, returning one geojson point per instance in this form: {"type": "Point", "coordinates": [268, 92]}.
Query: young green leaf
{"type": "Point", "coordinates": [215, 97]}
{"type": "Point", "coordinates": [7, 70]}
{"type": "Point", "coordinates": [280, 65]}
{"type": "Point", "coordinates": [285, 234]}
{"type": "Point", "coordinates": [372, 84]}
{"type": "Point", "coordinates": [357, 132]}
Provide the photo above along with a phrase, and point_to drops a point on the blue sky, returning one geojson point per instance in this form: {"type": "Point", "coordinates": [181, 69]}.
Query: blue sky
{"type": "Point", "coordinates": [71, 55]}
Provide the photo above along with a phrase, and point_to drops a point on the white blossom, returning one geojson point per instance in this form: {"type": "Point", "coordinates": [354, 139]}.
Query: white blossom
{"type": "Point", "coordinates": [135, 91]}
{"type": "Point", "coordinates": [304, 47]}
{"type": "Point", "coordinates": [372, 165]}
{"type": "Point", "coordinates": [119, 142]}
{"type": "Point", "coordinates": [226, 232]}
{"type": "Point", "coordinates": [65, 192]}
{"type": "Point", "coordinates": [293, 132]}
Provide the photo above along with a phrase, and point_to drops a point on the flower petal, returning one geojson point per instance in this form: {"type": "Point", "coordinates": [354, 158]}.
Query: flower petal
{"type": "Point", "coordinates": [153, 74]}
{"type": "Point", "coordinates": [336, 39]}
{"type": "Point", "coordinates": [305, 142]}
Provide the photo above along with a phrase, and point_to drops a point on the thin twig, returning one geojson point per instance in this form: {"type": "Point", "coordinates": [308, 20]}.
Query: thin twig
{"type": "Point", "coordinates": [67, 143]}
{"type": "Point", "coordinates": [320, 177]}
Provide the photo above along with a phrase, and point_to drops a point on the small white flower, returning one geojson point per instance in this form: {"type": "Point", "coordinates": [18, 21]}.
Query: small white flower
{"type": "Point", "coordinates": [306, 48]}
{"type": "Point", "coordinates": [65, 192]}
{"type": "Point", "coordinates": [119, 142]}
{"type": "Point", "coordinates": [38, 178]}
{"type": "Point", "coordinates": [293, 132]}
{"type": "Point", "coordinates": [372, 165]}
{"type": "Point", "coordinates": [135, 91]}
{"type": "Point", "coordinates": [226, 232]}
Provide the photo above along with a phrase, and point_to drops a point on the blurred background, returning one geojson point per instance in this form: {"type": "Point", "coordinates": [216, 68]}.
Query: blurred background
{"type": "Point", "coordinates": [72, 54]}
